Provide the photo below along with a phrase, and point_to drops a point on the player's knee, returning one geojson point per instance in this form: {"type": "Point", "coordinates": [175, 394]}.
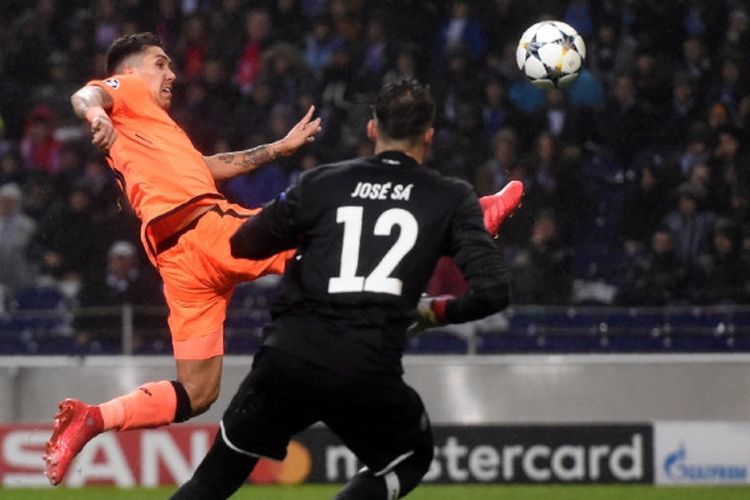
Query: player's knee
{"type": "Point", "coordinates": [423, 459]}
{"type": "Point", "coordinates": [413, 469]}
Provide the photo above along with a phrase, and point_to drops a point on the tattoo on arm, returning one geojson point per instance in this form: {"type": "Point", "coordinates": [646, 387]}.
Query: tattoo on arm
{"type": "Point", "coordinates": [89, 97]}
{"type": "Point", "coordinates": [247, 160]}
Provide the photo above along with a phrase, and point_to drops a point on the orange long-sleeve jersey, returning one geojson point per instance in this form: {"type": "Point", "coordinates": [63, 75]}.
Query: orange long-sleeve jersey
{"type": "Point", "coordinates": [159, 169]}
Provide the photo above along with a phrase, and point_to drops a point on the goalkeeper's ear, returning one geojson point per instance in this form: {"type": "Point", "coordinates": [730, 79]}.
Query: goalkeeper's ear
{"type": "Point", "coordinates": [372, 130]}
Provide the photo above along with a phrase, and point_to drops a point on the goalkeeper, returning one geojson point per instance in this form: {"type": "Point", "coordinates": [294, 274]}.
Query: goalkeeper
{"type": "Point", "coordinates": [369, 232]}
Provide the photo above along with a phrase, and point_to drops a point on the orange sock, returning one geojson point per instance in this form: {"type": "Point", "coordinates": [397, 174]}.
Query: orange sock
{"type": "Point", "coordinates": [151, 405]}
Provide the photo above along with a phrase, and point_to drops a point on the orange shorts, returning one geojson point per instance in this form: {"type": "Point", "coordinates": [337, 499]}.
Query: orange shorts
{"type": "Point", "coordinates": [200, 275]}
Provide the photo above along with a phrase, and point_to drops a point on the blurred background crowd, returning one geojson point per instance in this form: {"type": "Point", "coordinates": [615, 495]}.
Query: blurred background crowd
{"type": "Point", "coordinates": [637, 177]}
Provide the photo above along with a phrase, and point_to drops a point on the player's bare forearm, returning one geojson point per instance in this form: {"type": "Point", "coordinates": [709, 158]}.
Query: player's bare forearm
{"type": "Point", "coordinates": [226, 165]}
{"type": "Point", "coordinates": [92, 104]}
{"type": "Point", "coordinates": [90, 97]}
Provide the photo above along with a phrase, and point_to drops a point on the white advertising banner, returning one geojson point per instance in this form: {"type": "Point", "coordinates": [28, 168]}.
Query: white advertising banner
{"type": "Point", "coordinates": [701, 453]}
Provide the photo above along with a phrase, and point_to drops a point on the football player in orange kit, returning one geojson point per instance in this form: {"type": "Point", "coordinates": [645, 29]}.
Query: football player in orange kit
{"type": "Point", "coordinates": [186, 226]}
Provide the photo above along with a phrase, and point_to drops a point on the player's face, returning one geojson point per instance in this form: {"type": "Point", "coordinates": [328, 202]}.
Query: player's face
{"type": "Point", "coordinates": [156, 67]}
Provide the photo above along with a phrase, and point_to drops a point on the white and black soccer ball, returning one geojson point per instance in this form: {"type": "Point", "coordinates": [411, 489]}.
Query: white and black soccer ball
{"type": "Point", "coordinates": [551, 54]}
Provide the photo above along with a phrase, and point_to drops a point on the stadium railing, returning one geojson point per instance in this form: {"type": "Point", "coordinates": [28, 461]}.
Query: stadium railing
{"type": "Point", "coordinates": [59, 328]}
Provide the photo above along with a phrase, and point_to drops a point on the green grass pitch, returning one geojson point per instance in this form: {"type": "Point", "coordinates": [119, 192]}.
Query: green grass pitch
{"type": "Point", "coordinates": [426, 492]}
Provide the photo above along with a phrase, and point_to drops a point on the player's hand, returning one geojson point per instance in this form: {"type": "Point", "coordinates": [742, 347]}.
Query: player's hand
{"type": "Point", "coordinates": [430, 313]}
{"type": "Point", "coordinates": [302, 133]}
{"type": "Point", "coordinates": [103, 131]}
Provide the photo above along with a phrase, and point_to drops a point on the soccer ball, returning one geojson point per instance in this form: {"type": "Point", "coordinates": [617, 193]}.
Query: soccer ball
{"type": "Point", "coordinates": [551, 54]}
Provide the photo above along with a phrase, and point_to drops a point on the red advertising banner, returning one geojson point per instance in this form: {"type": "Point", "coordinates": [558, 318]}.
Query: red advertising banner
{"type": "Point", "coordinates": [132, 458]}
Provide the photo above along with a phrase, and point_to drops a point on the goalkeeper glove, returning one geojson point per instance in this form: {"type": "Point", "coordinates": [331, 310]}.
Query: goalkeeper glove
{"type": "Point", "coordinates": [430, 313]}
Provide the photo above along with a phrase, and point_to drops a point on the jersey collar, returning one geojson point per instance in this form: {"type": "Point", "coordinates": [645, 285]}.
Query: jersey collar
{"type": "Point", "coordinates": [396, 159]}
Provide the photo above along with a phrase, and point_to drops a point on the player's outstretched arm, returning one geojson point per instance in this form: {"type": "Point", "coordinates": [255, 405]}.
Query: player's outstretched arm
{"type": "Point", "coordinates": [227, 165]}
{"type": "Point", "coordinates": [92, 103]}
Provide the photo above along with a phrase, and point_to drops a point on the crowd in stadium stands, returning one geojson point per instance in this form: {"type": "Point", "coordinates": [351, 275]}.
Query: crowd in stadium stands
{"type": "Point", "coordinates": [637, 177]}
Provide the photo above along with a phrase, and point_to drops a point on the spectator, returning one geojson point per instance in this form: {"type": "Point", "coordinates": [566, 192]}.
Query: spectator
{"type": "Point", "coordinates": [624, 121]}
{"type": "Point", "coordinates": [289, 17]}
{"type": "Point", "coordinates": [319, 45]}
{"type": "Point", "coordinates": [652, 80]}
{"type": "Point", "coordinates": [643, 207]}
{"type": "Point", "coordinates": [587, 91]}
{"type": "Point", "coordinates": [744, 245]}
{"type": "Point", "coordinates": [252, 113]}
{"type": "Point", "coordinates": [502, 19]}
{"type": "Point", "coordinates": [578, 14]}
{"type": "Point", "coordinates": [696, 149]}
{"type": "Point", "coordinates": [456, 88]}
{"type": "Point", "coordinates": [218, 85]}
{"type": "Point", "coordinates": [347, 17]}
{"type": "Point", "coordinates": [105, 193]}
{"type": "Point", "coordinates": [406, 65]}
{"type": "Point", "coordinates": [497, 110]}
{"type": "Point", "coordinates": [70, 242]}
{"type": "Point", "coordinates": [696, 63]}
{"type": "Point", "coordinates": [491, 176]}
{"type": "Point", "coordinates": [657, 278]}
{"type": "Point", "coordinates": [202, 115]}
{"type": "Point", "coordinates": [690, 225]}
{"type": "Point", "coordinates": [16, 234]}
{"type": "Point", "coordinates": [374, 57]}
{"type": "Point", "coordinates": [718, 117]}
{"type": "Point", "coordinates": [192, 46]}
{"type": "Point", "coordinates": [683, 111]}
{"type": "Point", "coordinates": [728, 165]}
{"type": "Point", "coordinates": [55, 92]}
{"type": "Point", "coordinates": [564, 121]}
{"type": "Point", "coordinates": [122, 281]}
{"type": "Point", "coordinates": [79, 52]}
{"type": "Point", "coordinates": [6, 145]}
{"type": "Point", "coordinates": [602, 52]}
{"type": "Point", "coordinates": [285, 70]}
{"type": "Point", "coordinates": [723, 278]}
{"type": "Point", "coordinates": [39, 148]}
{"type": "Point", "coordinates": [338, 89]}
{"type": "Point", "coordinates": [542, 272]}
{"type": "Point", "coordinates": [737, 36]}
{"type": "Point", "coordinates": [258, 36]}
{"type": "Point", "coordinates": [10, 169]}
{"type": "Point", "coordinates": [546, 167]}
{"type": "Point", "coordinates": [226, 27]}
{"type": "Point", "coordinates": [739, 210]}
{"type": "Point", "coordinates": [462, 30]}
{"type": "Point", "coordinates": [729, 87]}
{"type": "Point", "coordinates": [106, 24]}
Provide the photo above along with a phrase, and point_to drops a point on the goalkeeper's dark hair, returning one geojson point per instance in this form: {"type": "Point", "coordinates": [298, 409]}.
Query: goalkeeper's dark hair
{"type": "Point", "coordinates": [404, 109]}
{"type": "Point", "coordinates": [128, 45]}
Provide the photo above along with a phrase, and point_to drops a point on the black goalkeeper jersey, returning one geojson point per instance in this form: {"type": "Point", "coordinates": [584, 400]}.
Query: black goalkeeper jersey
{"type": "Point", "coordinates": [369, 233]}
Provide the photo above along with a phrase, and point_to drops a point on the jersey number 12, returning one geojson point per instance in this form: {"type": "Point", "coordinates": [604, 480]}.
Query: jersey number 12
{"type": "Point", "coordinates": [380, 279]}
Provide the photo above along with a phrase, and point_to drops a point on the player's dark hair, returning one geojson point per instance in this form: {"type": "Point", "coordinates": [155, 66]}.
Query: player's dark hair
{"type": "Point", "coordinates": [128, 45]}
{"type": "Point", "coordinates": [404, 109]}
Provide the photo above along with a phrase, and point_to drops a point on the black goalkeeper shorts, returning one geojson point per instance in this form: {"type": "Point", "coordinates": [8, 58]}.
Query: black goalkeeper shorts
{"type": "Point", "coordinates": [380, 418]}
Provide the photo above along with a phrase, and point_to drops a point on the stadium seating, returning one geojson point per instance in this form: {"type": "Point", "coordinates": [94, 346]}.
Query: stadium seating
{"type": "Point", "coordinates": [39, 321]}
